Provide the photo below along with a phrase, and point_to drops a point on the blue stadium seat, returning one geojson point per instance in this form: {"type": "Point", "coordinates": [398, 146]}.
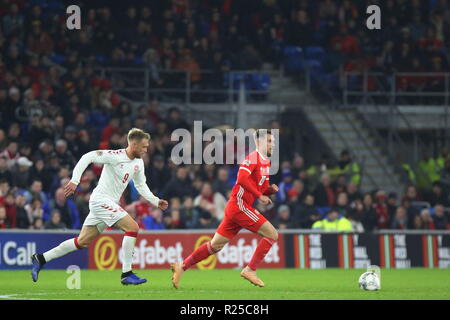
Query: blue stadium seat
{"type": "Point", "coordinates": [58, 59]}
{"type": "Point", "coordinates": [317, 53]}
{"type": "Point", "coordinates": [138, 60]}
{"type": "Point", "coordinates": [294, 65]}
{"type": "Point", "coordinates": [292, 51]}
{"type": "Point", "coordinates": [100, 59]}
{"type": "Point", "coordinates": [238, 77]}
{"type": "Point", "coordinates": [323, 211]}
{"type": "Point", "coordinates": [313, 64]}
{"type": "Point", "coordinates": [260, 81]}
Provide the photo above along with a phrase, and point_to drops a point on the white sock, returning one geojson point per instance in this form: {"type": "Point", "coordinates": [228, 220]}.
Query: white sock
{"type": "Point", "coordinates": [128, 243]}
{"type": "Point", "coordinates": [64, 248]}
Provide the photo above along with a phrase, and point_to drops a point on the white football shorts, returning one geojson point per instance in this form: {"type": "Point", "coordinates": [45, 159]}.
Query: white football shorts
{"type": "Point", "coordinates": [103, 212]}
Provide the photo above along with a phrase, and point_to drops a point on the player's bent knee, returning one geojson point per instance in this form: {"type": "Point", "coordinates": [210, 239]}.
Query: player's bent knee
{"type": "Point", "coordinates": [132, 228]}
{"type": "Point", "coordinates": [84, 242]}
{"type": "Point", "coordinates": [217, 246]}
{"type": "Point", "coordinates": [274, 235]}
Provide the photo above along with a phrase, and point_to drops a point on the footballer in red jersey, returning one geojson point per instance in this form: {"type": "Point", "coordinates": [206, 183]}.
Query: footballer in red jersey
{"type": "Point", "coordinates": [252, 184]}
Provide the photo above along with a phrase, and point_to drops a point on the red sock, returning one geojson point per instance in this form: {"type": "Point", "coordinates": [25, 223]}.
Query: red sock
{"type": "Point", "coordinates": [203, 252]}
{"type": "Point", "coordinates": [261, 250]}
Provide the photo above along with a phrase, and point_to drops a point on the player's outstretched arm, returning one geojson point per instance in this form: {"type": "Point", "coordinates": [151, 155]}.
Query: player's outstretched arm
{"type": "Point", "coordinates": [140, 183]}
{"type": "Point", "coordinates": [97, 156]}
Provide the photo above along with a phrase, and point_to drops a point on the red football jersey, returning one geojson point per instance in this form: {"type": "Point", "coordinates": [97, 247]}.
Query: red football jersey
{"type": "Point", "coordinates": [252, 180]}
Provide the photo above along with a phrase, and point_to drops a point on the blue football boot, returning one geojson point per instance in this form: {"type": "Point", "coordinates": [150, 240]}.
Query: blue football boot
{"type": "Point", "coordinates": [130, 278]}
{"type": "Point", "coordinates": [38, 264]}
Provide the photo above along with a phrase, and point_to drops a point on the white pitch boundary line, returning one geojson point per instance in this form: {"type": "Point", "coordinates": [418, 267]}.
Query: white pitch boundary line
{"type": "Point", "coordinates": [22, 296]}
{"type": "Point", "coordinates": [18, 296]}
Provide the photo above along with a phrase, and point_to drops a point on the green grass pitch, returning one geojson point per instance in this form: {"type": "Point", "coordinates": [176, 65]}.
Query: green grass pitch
{"type": "Point", "coordinates": [284, 284]}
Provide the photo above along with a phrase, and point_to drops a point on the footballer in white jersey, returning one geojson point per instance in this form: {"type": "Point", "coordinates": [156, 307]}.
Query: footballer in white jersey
{"type": "Point", "coordinates": [119, 168]}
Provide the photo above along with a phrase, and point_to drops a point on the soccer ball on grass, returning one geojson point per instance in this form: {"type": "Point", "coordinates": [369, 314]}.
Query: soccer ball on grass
{"type": "Point", "coordinates": [369, 281]}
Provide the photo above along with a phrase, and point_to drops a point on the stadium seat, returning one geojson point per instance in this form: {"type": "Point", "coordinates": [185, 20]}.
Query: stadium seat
{"type": "Point", "coordinates": [260, 81]}
{"type": "Point", "coordinates": [317, 53]}
{"type": "Point", "coordinates": [294, 65]}
{"type": "Point", "coordinates": [323, 211]}
{"type": "Point", "coordinates": [313, 64]}
{"type": "Point", "coordinates": [238, 77]}
{"type": "Point", "coordinates": [100, 59]}
{"type": "Point", "coordinates": [292, 51]}
{"type": "Point", "coordinates": [58, 59]}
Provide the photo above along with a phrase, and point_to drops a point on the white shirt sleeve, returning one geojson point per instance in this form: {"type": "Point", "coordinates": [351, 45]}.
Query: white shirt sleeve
{"type": "Point", "coordinates": [97, 156]}
{"type": "Point", "coordinates": [143, 189]}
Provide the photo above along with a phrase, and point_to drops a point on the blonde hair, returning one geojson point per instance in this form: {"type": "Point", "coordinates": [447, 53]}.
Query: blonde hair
{"type": "Point", "coordinates": [136, 134]}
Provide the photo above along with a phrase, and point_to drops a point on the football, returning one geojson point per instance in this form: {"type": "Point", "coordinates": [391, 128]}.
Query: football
{"type": "Point", "coordinates": [369, 281]}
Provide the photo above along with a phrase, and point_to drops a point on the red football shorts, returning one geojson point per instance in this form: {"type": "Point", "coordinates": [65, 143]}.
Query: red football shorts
{"type": "Point", "coordinates": [238, 216]}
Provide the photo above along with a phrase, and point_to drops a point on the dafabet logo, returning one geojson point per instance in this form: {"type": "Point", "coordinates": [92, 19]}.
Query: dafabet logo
{"type": "Point", "coordinates": [211, 261]}
{"type": "Point", "coordinates": [105, 253]}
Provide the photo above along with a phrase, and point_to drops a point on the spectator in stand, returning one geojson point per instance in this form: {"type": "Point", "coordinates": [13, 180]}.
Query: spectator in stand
{"type": "Point", "coordinates": [173, 219]}
{"type": "Point", "coordinates": [55, 222]}
{"type": "Point", "coordinates": [5, 173]}
{"type": "Point", "coordinates": [38, 224]}
{"type": "Point", "coordinates": [400, 220]}
{"type": "Point", "coordinates": [75, 105]}
{"type": "Point", "coordinates": [216, 202]}
{"type": "Point", "coordinates": [3, 218]}
{"type": "Point", "coordinates": [4, 139]}
{"type": "Point", "coordinates": [370, 220]}
{"type": "Point", "coordinates": [40, 172]}
{"type": "Point", "coordinates": [284, 219]}
{"type": "Point", "coordinates": [353, 192]}
{"type": "Point", "coordinates": [411, 193]}
{"type": "Point", "coordinates": [158, 173]}
{"type": "Point", "coordinates": [424, 221]}
{"type": "Point", "coordinates": [189, 213]}
{"type": "Point", "coordinates": [437, 196]}
{"type": "Point", "coordinates": [188, 63]}
{"type": "Point", "coordinates": [178, 186]}
{"type": "Point", "coordinates": [324, 194]}
{"type": "Point", "coordinates": [342, 205]}
{"type": "Point", "coordinates": [301, 30]}
{"type": "Point", "coordinates": [175, 121]}
{"type": "Point", "coordinates": [108, 131]}
{"type": "Point", "coordinates": [382, 210]}
{"type": "Point", "coordinates": [11, 153]}
{"type": "Point", "coordinates": [36, 191]}
{"type": "Point", "coordinates": [155, 221]}
{"type": "Point", "coordinates": [285, 185]}
{"type": "Point", "coordinates": [206, 219]}
{"type": "Point", "coordinates": [439, 218]}
{"type": "Point", "coordinates": [333, 223]}
{"type": "Point", "coordinates": [34, 209]}
{"type": "Point", "coordinates": [339, 185]}
{"type": "Point", "coordinates": [357, 215]}
{"type": "Point", "coordinates": [21, 173]}
{"type": "Point", "coordinates": [11, 209]}
{"type": "Point", "coordinates": [64, 155]}
{"type": "Point", "coordinates": [392, 205]}
{"type": "Point", "coordinates": [23, 220]}
{"type": "Point", "coordinates": [306, 213]}
{"type": "Point", "coordinates": [68, 210]}
{"type": "Point", "coordinates": [220, 183]}
{"type": "Point", "coordinates": [296, 193]}
{"type": "Point", "coordinates": [412, 211]}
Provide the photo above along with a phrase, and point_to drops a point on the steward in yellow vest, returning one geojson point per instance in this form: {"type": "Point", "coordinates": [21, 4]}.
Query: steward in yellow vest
{"type": "Point", "coordinates": [333, 223]}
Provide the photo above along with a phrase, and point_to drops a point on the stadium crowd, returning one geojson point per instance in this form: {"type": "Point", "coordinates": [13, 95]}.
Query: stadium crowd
{"type": "Point", "coordinates": [223, 35]}
{"type": "Point", "coordinates": [54, 108]}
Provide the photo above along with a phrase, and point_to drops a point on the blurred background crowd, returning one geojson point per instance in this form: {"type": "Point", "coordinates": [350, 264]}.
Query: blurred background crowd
{"type": "Point", "coordinates": [54, 107]}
